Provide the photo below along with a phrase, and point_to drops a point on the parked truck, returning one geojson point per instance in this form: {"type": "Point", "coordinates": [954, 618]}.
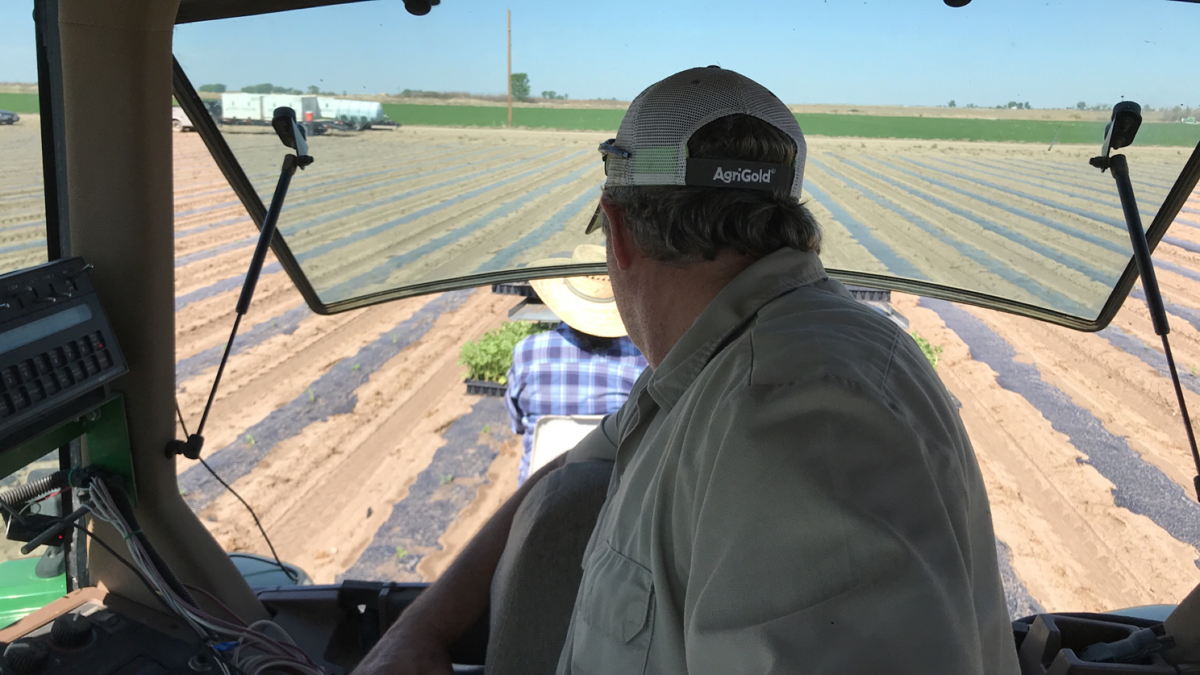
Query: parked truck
{"type": "Point", "coordinates": [180, 120]}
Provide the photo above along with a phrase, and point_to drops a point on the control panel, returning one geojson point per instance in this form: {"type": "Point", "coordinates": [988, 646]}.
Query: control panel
{"type": "Point", "coordinates": [102, 635]}
{"type": "Point", "coordinates": [56, 344]}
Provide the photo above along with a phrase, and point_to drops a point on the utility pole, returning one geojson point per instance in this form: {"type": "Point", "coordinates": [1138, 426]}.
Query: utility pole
{"type": "Point", "coordinates": [508, 14]}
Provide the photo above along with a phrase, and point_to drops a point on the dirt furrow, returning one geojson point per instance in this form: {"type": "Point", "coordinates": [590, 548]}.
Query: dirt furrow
{"type": "Point", "coordinates": [409, 400]}
{"type": "Point", "coordinates": [1071, 545]}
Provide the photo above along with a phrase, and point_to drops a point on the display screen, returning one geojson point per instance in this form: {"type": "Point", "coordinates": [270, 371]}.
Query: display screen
{"type": "Point", "coordinates": [46, 326]}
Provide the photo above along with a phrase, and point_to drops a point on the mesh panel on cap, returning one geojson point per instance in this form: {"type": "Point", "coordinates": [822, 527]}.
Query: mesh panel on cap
{"type": "Point", "coordinates": [659, 122]}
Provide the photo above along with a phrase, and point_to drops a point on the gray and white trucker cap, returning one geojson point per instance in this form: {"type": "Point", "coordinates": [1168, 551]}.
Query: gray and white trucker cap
{"type": "Point", "coordinates": [651, 145]}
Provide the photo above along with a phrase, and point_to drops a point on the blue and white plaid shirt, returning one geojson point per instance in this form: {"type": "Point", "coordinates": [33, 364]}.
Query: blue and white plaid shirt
{"type": "Point", "coordinates": [553, 374]}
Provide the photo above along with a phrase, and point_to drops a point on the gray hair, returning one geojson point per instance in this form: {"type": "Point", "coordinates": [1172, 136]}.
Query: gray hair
{"type": "Point", "coordinates": [687, 224]}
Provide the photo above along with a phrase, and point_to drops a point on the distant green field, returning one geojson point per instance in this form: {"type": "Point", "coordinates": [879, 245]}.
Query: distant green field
{"type": "Point", "coordinates": [19, 103]}
{"type": "Point", "coordinates": [930, 128]}
{"type": "Point", "coordinates": [497, 116]}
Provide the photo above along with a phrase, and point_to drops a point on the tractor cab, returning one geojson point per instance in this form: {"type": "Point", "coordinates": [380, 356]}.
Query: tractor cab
{"type": "Point", "coordinates": [235, 435]}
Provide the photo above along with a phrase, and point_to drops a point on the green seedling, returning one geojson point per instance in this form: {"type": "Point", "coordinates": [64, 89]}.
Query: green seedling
{"type": "Point", "coordinates": [401, 553]}
{"type": "Point", "coordinates": [490, 357]}
{"type": "Point", "coordinates": [931, 351]}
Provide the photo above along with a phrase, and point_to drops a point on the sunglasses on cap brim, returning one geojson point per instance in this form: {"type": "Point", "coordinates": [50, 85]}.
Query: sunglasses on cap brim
{"type": "Point", "coordinates": [606, 148]}
{"type": "Point", "coordinates": [597, 221]}
{"type": "Point", "coordinates": [706, 172]}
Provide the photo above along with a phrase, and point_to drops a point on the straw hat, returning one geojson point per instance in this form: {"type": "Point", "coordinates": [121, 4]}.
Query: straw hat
{"type": "Point", "coordinates": [585, 303]}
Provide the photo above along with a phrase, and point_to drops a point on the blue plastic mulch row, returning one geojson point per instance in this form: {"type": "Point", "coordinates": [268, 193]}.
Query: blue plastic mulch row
{"type": "Point", "coordinates": [969, 251]}
{"type": "Point", "coordinates": [1138, 485]}
{"type": "Point", "coordinates": [292, 228]}
{"type": "Point", "coordinates": [381, 271]}
{"type": "Point", "coordinates": [1118, 338]}
{"type": "Point", "coordinates": [1115, 219]}
{"type": "Point", "coordinates": [333, 393]}
{"type": "Point", "coordinates": [437, 495]}
{"type": "Point", "coordinates": [377, 276]}
{"type": "Point", "coordinates": [1046, 294]}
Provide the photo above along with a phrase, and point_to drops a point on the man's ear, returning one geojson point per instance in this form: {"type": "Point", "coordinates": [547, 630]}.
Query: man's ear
{"type": "Point", "coordinates": [619, 239]}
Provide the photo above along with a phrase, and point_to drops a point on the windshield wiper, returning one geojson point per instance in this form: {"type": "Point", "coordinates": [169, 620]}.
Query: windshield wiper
{"type": "Point", "coordinates": [1119, 133]}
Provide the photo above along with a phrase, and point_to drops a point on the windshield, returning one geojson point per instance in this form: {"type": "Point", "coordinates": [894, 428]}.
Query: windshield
{"type": "Point", "coordinates": [367, 455]}
{"type": "Point", "coordinates": [955, 161]}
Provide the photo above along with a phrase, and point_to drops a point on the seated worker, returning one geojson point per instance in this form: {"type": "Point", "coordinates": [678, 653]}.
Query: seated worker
{"type": "Point", "coordinates": [585, 366]}
{"type": "Point", "coordinates": [793, 490]}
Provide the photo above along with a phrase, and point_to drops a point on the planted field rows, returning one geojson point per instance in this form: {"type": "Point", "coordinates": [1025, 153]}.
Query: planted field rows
{"type": "Point", "coordinates": [352, 437]}
{"type": "Point", "coordinates": [335, 400]}
{"type": "Point", "coordinates": [1077, 512]}
{"type": "Point", "coordinates": [1088, 491]}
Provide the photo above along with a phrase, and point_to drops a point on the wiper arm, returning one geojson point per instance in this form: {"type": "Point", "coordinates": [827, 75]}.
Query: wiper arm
{"type": "Point", "coordinates": [1120, 132]}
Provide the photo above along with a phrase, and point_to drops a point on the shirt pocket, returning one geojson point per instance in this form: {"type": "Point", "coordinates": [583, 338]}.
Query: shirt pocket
{"type": "Point", "coordinates": [615, 615]}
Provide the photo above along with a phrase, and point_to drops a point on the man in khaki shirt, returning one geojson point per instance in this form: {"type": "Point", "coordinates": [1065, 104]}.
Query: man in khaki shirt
{"type": "Point", "coordinates": [793, 491]}
{"type": "Point", "coordinates": [795, 494]}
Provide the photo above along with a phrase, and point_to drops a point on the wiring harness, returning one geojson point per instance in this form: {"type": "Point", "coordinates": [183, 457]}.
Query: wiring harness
{"type": "Point", "coordinates": [257, 649]}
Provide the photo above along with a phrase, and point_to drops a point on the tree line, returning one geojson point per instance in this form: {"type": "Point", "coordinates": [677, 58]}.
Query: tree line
{"type": "Point", "coordinates": [268, 88]}
{"type": "Point", "coordinates": [521, 90]}
{"type": "Point", "coordinates": [1170, 114]}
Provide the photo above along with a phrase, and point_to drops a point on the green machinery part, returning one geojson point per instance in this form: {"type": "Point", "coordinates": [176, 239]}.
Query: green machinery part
{"type": "Point", "coordinates": [27, 584]}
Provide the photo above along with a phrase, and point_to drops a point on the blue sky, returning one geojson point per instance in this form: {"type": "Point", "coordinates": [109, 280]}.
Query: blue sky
{"type": "Point", "coordinates": [905, 52]}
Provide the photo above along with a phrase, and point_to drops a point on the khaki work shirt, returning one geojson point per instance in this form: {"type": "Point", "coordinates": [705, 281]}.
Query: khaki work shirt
{"type": "Point", "coordinates": [793, 493]}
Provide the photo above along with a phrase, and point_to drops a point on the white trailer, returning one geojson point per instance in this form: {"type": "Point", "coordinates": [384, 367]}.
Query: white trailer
{"type": "Point", "coordinates": [318, 111]}
{"type": "Point", "coordinates": [241, 107]}
{"type": "Point", "coordinates": [358, 114]}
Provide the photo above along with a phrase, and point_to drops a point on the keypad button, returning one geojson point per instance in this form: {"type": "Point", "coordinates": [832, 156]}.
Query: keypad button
{"type": "Point", "coordinates": [78, 371]}
{"type": "Point", "coordinates": [106, 359]}
{"type": "Point", "coordinates": [65, 379]}
{"type": "Point", "coordinates": [85, 344]}
{"type": "Point", "coordinates": [21, 398]}
{"type": "Point", "coordinates": [25, 370]}
{"type": "Point", "coordinates": [42, 363]}
{"type": "Point", "coordinates": [6, 405]}
{"type": "Point", "coordinates": [58, 359]}
{"type": "Point", "coordinates": [73, 350]}
{"type": "Point", "coordinates": [10, 377]}
{"type": "Point", "coordinates": [89, 367]}
{"type": "Point", "coordinates": [99, 340]}
{"type": "Point", "coordinates": [36, 392]}
{"type": "Point", "coordinates": [51, 384]}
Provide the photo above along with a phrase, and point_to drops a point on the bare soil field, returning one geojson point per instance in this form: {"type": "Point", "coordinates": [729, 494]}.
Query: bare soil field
{"type": "Point", "coordinates": [353, 438]}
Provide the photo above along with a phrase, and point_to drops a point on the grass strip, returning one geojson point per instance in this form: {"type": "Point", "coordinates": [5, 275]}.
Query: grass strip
{"type": "Point", "coordinates": [19, 103]}
{"type": "Point", "coordinates": [815, 124]}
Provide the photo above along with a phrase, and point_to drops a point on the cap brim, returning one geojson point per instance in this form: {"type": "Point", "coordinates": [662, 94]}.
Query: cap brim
{"type": "Point", "coordinates": [598, 221]}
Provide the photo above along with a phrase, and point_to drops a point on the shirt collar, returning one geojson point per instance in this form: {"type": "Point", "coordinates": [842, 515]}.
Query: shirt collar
{"type": "Point", "coordinates": [727, 314]}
